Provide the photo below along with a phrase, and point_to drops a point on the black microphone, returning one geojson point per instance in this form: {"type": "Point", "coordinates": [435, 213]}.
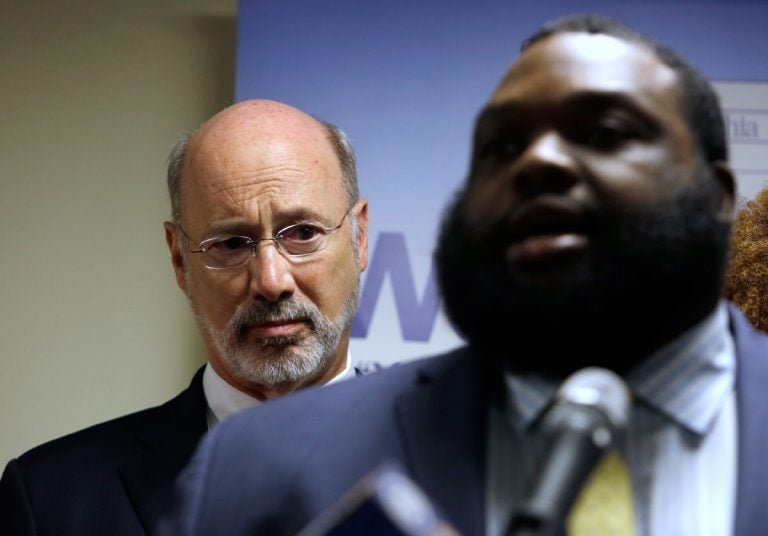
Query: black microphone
{"type": "Point", "coordinates": [590, 407]}
{"type": "Point", "coordinates": [384, 503]}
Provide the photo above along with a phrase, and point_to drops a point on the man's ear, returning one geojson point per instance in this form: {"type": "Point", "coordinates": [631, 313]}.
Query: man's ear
{"type": "Point", "coordinates": [360, 212]}
{"type": "Point", "coordinates": [173, 239]}
{"type": "Point", "coordinates": [727, 181]}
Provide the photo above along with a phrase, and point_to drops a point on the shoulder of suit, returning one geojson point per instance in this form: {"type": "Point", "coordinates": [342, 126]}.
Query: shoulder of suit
{"type": "Point", "coordinates": [115, 435]}
{"type": "Point", "coordinates": [399, 375]}
{"type": "Point", "coordinates": [379, 386]}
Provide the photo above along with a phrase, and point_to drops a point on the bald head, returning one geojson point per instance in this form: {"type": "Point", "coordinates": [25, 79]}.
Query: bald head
{"type": "Point", "coordinates": [257, 125]}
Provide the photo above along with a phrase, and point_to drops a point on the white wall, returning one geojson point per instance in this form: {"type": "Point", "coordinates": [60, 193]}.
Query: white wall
{"type": "Point", "coordinates": [93, 95]}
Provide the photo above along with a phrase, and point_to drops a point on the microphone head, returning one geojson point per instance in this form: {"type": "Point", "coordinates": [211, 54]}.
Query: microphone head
{"type": "Point", "coordinates": [589, 408]}
{"type": "Point", "coordinates": [600, 390]}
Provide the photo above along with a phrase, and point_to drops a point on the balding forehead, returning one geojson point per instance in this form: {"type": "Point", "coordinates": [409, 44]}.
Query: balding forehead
{"type": "Point", "coordinates": [254, 144]}
{"type": "Point", "coordinates": [254, 120]}
{"type": "Point", "coordinates": [257, 126]}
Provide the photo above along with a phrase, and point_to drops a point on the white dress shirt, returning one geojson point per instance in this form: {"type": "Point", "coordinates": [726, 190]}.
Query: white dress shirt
{"type": "Point", "coordinates": [680, 444]}
{"type": "Point", "coordinates": [224, 399]}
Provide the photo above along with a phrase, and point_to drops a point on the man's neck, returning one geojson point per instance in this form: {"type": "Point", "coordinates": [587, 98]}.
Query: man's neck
{"type": "Point", "coordinates": [225, 399]}
{"type": "Point", "coordinates": [264, 393]}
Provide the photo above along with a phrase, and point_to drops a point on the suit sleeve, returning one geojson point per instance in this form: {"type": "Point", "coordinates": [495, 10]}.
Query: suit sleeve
{"type": "Point", "coordinates": [15, 509]}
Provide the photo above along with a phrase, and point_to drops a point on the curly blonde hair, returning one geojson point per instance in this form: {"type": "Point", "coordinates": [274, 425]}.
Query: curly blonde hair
{"type": "Point", "coordinates": [746, 279]}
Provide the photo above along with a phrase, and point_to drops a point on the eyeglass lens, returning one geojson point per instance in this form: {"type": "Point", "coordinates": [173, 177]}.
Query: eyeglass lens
{"type": "Point", "coordinates": [295, 241]}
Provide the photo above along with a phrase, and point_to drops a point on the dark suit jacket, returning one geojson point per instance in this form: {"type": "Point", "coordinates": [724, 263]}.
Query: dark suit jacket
{"type": "Point", "coordinates": [273, 469]}
{"type": "Point", "coordinates": [110, 479]}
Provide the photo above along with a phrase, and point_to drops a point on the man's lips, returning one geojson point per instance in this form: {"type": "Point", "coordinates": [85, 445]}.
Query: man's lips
{"type": "Point", "coordinates": [277, 328]}
{"type": "Point", "coordinates": [546, 229]}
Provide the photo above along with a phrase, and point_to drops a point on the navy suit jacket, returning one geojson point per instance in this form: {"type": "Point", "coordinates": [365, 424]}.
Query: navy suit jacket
{"type": "Point", "coordinates": [111, 479]}
{"type": "Point", "coordinates": [273, 469]}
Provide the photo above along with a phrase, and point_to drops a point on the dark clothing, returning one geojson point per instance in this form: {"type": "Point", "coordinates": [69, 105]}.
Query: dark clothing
{"type": "Point", "coordinates": [110, 479]}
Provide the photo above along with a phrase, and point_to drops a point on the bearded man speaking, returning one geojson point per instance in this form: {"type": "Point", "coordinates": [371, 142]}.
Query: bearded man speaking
{"type": "Point", "coordinates": [592, 231]}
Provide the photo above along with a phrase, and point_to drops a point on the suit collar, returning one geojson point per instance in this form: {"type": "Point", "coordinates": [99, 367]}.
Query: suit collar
{"type": "Point", "coordinates": [443, 427]}
{"type": "Point", "coordinates": [170, 437]}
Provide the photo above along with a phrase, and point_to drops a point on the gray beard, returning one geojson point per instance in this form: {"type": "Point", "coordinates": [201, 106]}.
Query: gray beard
{"type": "Point", "coordinates": [275, 361]}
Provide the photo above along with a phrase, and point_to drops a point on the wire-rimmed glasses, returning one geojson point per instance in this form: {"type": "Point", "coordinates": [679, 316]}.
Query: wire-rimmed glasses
{"type": "Point", "coordinates": [225, 251]}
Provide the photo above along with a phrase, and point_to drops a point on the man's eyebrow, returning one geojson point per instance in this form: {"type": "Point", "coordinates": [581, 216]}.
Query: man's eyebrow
{"type": "Point", "coordinates": [279, 221]}
{"type": "Point", "coordinates": [493, 115]}
{"type": "Point", "coordinates": [298, 214]}
{"type": "Point", "coordinates": [611, 99]}
{"type": "Point", "coordinates": [489, 115]}
{"type": "Point", "coordinates": [493, 118]}
{"type": "Point", "coordinates": [229, 228]}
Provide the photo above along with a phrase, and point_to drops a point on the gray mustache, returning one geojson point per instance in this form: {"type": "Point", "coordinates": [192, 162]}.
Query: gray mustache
{"type": "Point", "coordinates": [288, 310]}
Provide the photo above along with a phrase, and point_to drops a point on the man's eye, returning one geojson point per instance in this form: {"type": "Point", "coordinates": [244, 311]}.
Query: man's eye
{"type": "Point", "coordinates": [301, 233]}
{"type": "Point", "coordinates": [233, 243]}
{"type": "Point", "coordinates": [607, 135]}
{"type": "Point", "coordinates": [500, 150]}
{"type": "Point", "coordinates": [606, 138]}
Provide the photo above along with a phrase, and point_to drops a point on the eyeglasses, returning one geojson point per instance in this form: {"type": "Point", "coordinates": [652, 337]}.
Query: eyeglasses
{"type": "Point", "coordinates": [228, 251]}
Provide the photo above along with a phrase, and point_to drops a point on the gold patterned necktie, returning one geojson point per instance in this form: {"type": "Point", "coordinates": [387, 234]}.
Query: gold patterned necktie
{"type": "Point", "coordinates": [604, 506]}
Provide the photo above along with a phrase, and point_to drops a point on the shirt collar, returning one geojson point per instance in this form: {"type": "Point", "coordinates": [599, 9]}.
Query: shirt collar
{"type": "Point", "coordinates": [528, 397]}
{"type": "Point", "coordinates": [688, 380]}
{"type": "Point", "coordinates": [224, 400]}
{"type": "Point", "coordinates": [346, 374]}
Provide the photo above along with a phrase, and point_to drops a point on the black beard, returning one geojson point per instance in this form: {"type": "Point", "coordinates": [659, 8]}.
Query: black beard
{"type": "Point", "coordinates": [647, 277]}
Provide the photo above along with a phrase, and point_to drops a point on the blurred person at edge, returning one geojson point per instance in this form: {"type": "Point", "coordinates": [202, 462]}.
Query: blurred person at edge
{"type": "Point", "coordinates": [746, 279]}
{"type": "Point", "coordinates": [268, 240]}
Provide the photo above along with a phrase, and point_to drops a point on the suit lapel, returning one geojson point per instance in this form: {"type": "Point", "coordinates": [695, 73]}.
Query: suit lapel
{"type": "Point", "coordinates": [170, 440]}
{"type": "Point", "coordinates": [752, 379]}
{"type": "Point", "coordinates": [443, 422]}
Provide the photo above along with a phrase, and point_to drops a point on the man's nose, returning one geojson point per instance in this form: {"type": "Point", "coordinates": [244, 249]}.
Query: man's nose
{"type": "Point", "coordinates": [547, 166]}
{"type": "Point", "coordinates": [271, 274]}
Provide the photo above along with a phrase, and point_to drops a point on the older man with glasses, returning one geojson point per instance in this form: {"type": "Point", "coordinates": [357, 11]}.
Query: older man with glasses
{"type": "Point", "coordinates": [268, 239]}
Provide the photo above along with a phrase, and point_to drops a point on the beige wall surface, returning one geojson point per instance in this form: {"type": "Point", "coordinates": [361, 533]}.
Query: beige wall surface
{"type": "Point", "coordinates": [93, 95]}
